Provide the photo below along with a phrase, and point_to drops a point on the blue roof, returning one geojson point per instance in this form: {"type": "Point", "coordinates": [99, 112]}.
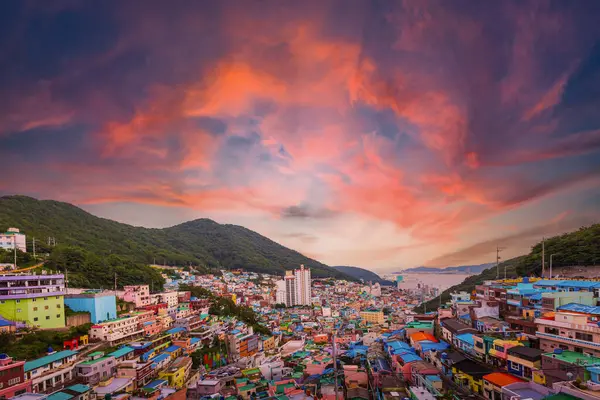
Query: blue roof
{"type": "Point", "coordinates": [466, 337]}
{"type": "Point", "coordinates": [148, 323]}
{"type": "Point", "coordinates": [434, 378]}
{"type": "Point", "coordinates": [123, 351]}
{"type": "Point", "coordinates": [194, 340]}
{"type": "Point", "coordinates": [582, 308]}
{"type": "Point", "coordinates": [175, 330]}
{"type": "Point", "coordinates": [172, 349]}
{"type": "Point", "coordinates": [156, 383]}
{"type": "Point", "coordinates": [160, 357]}
{"type": "Point", "coordinates": [429, 346]}
{"type": "Point", "coordinates": [579, 284]}
{"type": "Point", "coordinates": [410, 357]}
{"type": "Point", "coordinates": [40, 362]}
{"type": "Point", "coordinates": [547, 282]}
{"type": "Point", "coordinates": [5, 323]}
{"type": "Point", "coordinates": [537, 296]}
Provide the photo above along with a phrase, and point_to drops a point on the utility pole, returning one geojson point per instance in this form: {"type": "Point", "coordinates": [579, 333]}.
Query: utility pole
{"type": "Point", "coordinates": [115, 283]}
{"type": "Point", "coordinates": [551, 255]}
{"type": "Point", "coordinates": [66, 281]}
{"type": "Point", "coordinates": [335, 368]}
{"type": "Point", "coordinates": [497, 262]}
{"type": "Point", "coordinates": [34, 248]}
{"type": "Point", "coordinates": [15, 249]}
{"type": "Point", "coordinates": [543, 258]}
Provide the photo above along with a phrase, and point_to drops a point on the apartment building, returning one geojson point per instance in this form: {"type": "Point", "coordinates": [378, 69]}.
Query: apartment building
{"type": "Point", "coordinates": [96, 369]}
{"type": "Point", "coordinates": [12, 377]}
{"type": "Point", "coordinates": [303, 286]}
{"type": "Point", "coordinates": [567, 330]}
{"type": "Point", "coordinates": [51, 372]}
{"type": "Point", "coordinates": [560, 366]}
{"type": "Point", "coordinates": [13, 238]}
{"type": "Point", "coordinates": [116, 330]}
{"type": "Point", "coordinates": [373, 316]}
{"type": "Point", "coordinates": [36, 300]}
{"type": "Point", "coordinates": [137, 294]}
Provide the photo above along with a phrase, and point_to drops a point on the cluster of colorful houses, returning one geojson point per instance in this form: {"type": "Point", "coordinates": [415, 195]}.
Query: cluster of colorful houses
{"type": "Point", "coordinates": [512, 339]}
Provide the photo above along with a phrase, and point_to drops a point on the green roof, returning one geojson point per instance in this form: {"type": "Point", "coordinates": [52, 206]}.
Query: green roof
{"type": "Point", "coordinates": [573, 357]}
{"type": "Point", "coordinates": [60, 396]}
{"type": "Point", "coordinates": [40, 362]}
{"type": "Point", "coordinates": [92, 362]}
{"type": "Point", "coordinates": [121, 352]}
{"type": "Point", "coordinates": [247, 387]}
{"type": "Point", "coordinates": [79, 388]}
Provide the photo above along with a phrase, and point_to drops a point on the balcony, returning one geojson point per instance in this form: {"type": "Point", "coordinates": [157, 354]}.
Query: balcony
{"type": "Point", "coordinates": [567, 340]}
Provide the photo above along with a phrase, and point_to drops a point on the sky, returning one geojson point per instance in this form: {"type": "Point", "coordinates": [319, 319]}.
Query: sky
{"type": "Point", "coordinates": [380, 134]}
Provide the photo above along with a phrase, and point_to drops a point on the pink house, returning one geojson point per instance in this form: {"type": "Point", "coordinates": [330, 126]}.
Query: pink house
{"type": "Point", "coordinates": [137, 294]}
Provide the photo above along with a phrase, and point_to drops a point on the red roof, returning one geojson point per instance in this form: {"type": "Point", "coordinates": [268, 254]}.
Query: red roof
{"type": "Point", "coordinates": [501, 379]}
{"type": "Point", "coordinates": [420, 336]}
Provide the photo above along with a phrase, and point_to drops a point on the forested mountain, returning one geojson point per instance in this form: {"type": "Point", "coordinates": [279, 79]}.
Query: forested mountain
{"type": "Point", "coordinates": [92, 247]}
{"type": "Point", "coordinates": [577, 248]}
{"type": "Point", "coordinates": [366, 275]}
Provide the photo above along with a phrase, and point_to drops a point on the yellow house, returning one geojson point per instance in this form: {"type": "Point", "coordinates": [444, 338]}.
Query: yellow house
{"type": "Point", "coordinates": [178, 372]}
{"type": "Point", "coordinates": [268, 343]}
{"type": "Point", "coordinates": [374, 317]}
{"type": "Point", "coordinates": [469, 375]}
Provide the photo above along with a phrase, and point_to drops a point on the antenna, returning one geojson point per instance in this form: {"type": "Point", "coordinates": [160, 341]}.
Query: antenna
{"type": "Point", "coordinates": [34, 248]}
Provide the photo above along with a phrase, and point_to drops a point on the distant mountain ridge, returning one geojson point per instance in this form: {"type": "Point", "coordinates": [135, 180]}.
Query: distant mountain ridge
{"type": "Point", "coordinates": [466, 269]}
{"type": "Point", "coordinates": [201, 242]}
{"type": "Point", "coordinates": [361, 273]}
{"type": "Point", "coordinates": [577, 248]}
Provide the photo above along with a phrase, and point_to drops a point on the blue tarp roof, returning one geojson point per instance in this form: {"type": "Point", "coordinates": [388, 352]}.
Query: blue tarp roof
{"type": "Point", "coordinates": [175, 330]}
{"type": "Point", "coordinates": [429, 346]}
{"type": "Point", "coordinates": [410, 357]}
{"type": "Point", "coordinates": [582, 308]}
{"type": "Point", "coordinates": [156, 383]}
{"type": "Point", "coordinates": [172, 349]}
{"type": "Point", "coordinates": [466, 337]}
{"type": "Point", "coordinates": [160, 358]}
{"type": "Point", "coordinates": [537, 296]}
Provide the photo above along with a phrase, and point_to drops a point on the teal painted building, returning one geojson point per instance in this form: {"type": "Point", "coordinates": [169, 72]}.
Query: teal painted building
{"type": "Point", "coordinates": [102, 306]}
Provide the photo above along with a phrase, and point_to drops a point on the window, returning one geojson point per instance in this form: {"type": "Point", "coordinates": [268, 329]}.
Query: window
{"type": "Point", "coordinates": [33, 299]}
{"type": "Point", "coordinates": [34, 308]}
{"type": "Point", "coordinates": [45, 298]}
{"type": "Point", "coordinates": [35, 319]}
{"type": "Point", "coordinates": [57, 297]}
{"type": "Point", "coordinates": [584, 336]}
{"type": "Point", "coordinates": [46, 307]}
{"type": "Point", "coordinates": [18, 300]}
{"type": "Point", "coordinates": [58, 306]}
{"type": "Point", "coordinates": [57, 315]}
{"type": "Point", "coordinates": [47, 317]}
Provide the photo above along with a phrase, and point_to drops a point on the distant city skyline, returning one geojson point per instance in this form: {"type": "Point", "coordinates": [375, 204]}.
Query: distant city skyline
{"type": "Point", "coordinates": [383, 137]}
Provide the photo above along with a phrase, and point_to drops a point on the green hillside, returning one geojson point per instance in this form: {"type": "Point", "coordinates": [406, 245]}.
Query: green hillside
{"type": "Point", "coordinates": [581, 247]}
{"type": "Point", "coordinates": [94, 248]}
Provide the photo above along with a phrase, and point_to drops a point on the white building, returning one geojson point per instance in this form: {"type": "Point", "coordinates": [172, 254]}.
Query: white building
{"type": "Point", "coordinates": [303, 286]}
{"type": "Point", "coordinates": [170, 298]}
{"type": "Point", "coordinates": [116, 329]}
{"type": "Point", "coordinates": [11, 238]}
{"type": "Point", "coordinates": [280, 292]}
{"type": "Point", "coordinates": [290, 289]}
